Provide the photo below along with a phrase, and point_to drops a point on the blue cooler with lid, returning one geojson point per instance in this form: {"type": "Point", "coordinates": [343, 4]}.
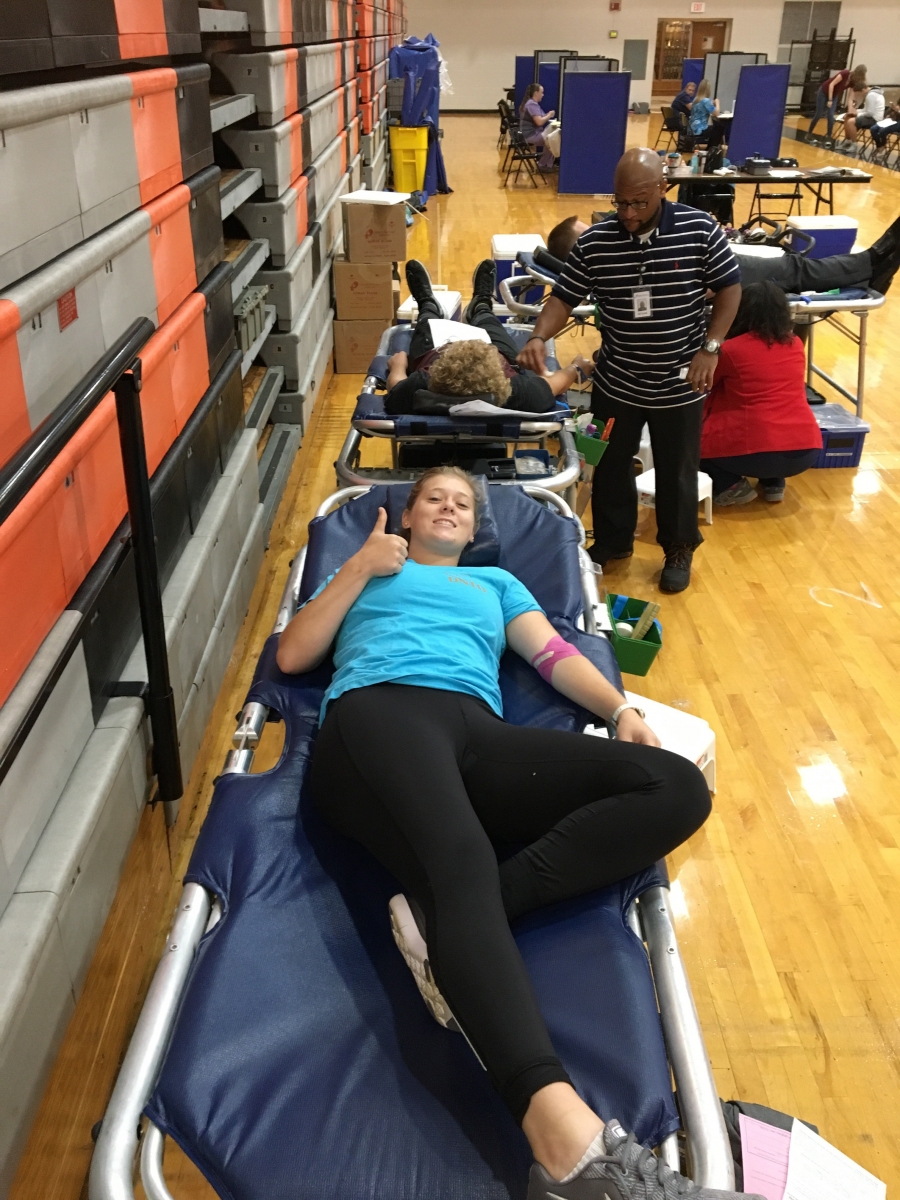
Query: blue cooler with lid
{"type": "Point", "coordinates": [843, 435]}
{"type": "Point", "coordinates": [833, 234]}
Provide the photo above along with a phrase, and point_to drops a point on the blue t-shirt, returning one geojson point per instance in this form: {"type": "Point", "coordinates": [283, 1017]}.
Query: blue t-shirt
{"type": "Point", "coordinates": [434, 627]}
{"type": "Point", "coordinates": [701, 111]}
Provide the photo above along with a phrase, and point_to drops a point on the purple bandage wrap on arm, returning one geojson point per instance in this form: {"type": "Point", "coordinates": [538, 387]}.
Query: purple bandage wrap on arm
{"type": "Point", "coordinates": [555, 651]}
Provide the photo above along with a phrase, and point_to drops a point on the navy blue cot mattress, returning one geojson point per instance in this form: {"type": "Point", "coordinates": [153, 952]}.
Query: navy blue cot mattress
{"type": "Point", "coordinates": [304, 1064]}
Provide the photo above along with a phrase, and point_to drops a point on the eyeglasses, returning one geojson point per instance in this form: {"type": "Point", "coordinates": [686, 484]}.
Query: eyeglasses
{"type": "Point", "coordinates": [637, 205]}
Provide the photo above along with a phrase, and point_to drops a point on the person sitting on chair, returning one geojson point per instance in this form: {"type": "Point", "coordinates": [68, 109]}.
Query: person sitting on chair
{"type": "Point", "coordinates": [881, 133]}
{"type": "Point", "coordinates": [757, 420]}
{"type": "Point", "coordinates": [703, 112]}
{"type": "Point", "coordinates": [864, 117]}
{"type": "Point", "coordinates": [532, 120]}
{"type": "Point", "coordinates": [873, 268]}
{"type": "Point", "coordinates": [683, 101]}
{"type": "Point", "coordinates": [415, 761]}
{"type": "Point", "coordinates": [470, 368]}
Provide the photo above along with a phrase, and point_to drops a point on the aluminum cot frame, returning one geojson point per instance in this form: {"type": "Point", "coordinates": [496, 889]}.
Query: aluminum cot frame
{"type": "Point", "coordinates": [350, 474]}
{"type": "Point", "coordinates": [123, 1131]}
{"type": "Point", "coordinates": [812, 312]}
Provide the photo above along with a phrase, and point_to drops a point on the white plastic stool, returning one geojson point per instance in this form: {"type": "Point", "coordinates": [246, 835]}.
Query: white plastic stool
{"type": "Point", "coordinates": [646, 489]}
{"type": "Point", "coordinates": [645, 453]}
{"type": "Point", "coordinates": [691, 737]}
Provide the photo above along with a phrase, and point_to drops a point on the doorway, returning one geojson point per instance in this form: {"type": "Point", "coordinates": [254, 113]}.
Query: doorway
{"type": "Point", "coordinates": [677, 40]}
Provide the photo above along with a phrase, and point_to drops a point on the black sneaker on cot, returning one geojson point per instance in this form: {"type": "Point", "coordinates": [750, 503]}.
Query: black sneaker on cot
{"type": "Point", "coordinates": [889, 241]}
{"type": "Point", "coordinates": [883, 275]}
{"type": "Point", "coordinates": [627, 1171]}
{"type": "Point", "coordinates": [419, 281]}
{"type": "Point", "coordinates": [676, 573]}
{"type": "Point", "coordinates": [484, 282]}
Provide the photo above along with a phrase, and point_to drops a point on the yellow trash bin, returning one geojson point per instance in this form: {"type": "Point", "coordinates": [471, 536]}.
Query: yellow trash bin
{"type": "Point", "coordinates": [409, 154]}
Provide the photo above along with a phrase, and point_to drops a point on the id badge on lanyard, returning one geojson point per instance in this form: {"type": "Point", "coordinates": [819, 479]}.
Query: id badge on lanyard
{"type": "Point", "coordinates": [641, 297]}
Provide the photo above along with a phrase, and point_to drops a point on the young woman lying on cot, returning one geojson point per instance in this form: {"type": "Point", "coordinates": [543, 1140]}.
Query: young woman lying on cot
{"type": "Point", "coordinates": [415, 761]}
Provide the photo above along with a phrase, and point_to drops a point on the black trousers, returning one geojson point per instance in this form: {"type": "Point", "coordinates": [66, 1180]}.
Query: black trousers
{"type": "Point", "coordinates": [795, 274]}
{"type": "Point", "coordinates": [675, 439]}
{"type": "Point", "coordinates": [482, 317]}
{"type": "Point", "coordinates": [431, 781]}
{"type": "Point", "coordinates": [771, 467]}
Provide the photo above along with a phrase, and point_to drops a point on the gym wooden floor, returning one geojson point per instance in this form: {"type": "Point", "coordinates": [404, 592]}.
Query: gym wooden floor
{"type": "Point", "coordinates": [786, 643]}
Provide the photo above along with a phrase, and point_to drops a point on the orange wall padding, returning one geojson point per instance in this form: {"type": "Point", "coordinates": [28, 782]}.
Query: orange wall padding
{"type": "Point", "coordinates": [15, 427]}
{"type": "Point", "coordinates": [154, 119]}
{"type": "Point", "coordinates": [172, 249]}
{"type": "Point", "coordinates": [142, 28]}
{"type": "Point", "coordinates": [57, 533]}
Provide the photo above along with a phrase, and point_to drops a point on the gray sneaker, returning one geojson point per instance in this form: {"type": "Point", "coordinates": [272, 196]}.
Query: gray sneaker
{"type": "Point", "coordinates": [741, 492]}
{"type": "Point", "coordinates": [626, 1172]}
{"type": "Point", "coordinates": [773, 493]}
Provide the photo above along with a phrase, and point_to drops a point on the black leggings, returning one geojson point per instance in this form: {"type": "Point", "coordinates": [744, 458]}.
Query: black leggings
{"type": "Point", "coordinates": [431, 781]}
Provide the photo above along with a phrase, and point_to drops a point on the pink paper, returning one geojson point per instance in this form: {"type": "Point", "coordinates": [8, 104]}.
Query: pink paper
{"type": "Point", "coordinates": [766, 1151]}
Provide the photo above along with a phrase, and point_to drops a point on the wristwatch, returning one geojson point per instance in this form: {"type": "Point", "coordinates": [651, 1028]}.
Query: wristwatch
{"type": "Point", "coordinates": [614, 719]}
{"type": "Point", "coordinates": [711, 346]}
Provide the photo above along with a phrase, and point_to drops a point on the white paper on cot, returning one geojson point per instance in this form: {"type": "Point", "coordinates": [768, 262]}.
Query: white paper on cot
{"type": "Point", "coordinates": [482, 408]}
{"type": "Point", "coordinates": [445, 332]}
{"type": "Point", "coordinates": [819, 1171]}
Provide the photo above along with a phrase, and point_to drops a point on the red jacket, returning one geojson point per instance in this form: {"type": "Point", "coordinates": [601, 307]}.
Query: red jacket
{"type": "Point", "coordinates": [758, 400]}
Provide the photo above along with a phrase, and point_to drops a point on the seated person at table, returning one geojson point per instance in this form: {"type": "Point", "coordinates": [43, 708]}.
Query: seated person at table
{"type": "Point", "coordinates": [866, 114]}
{"type": "Point", "coordinates": [415, 761]}
{"type": "Point", "coordinates": [532, 120]}
{"type": "Point", "coordinates": [683, 101]}
{"type": "Point", "coordinates": [873, 268]}
{"type": "Point", "coordinates": [470, 368]}
{"type": "Point", "coordinates": [881, 133]}
{"type": "Point", "coordinates": [756, 419]}
{"type": "Point", "coordinates": [703, 110]}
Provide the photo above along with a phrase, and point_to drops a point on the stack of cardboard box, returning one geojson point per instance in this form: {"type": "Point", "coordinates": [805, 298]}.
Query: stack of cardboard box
{"type": "Point", "coordinates": [365, 290]}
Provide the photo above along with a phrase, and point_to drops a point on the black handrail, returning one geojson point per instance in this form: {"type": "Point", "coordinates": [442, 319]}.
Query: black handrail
{"type": "Point", "coordinates": [119, 371]}
{"type": "Point", "coordinates": [30, 462]}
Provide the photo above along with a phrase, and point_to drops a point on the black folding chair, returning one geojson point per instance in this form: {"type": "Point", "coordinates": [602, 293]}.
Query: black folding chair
{"type": "Point", "coordinates": [502, 108]}
{"type": "Point", "coordinates": [888, 152]}
{"type": "Point", "coordinates": [672, 126]}
{"type": "Point", "coordinates": [520, 154]}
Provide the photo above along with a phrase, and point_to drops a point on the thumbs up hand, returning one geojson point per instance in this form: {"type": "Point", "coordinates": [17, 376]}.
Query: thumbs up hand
{"type": "Point", "coordinates": [382, 553]}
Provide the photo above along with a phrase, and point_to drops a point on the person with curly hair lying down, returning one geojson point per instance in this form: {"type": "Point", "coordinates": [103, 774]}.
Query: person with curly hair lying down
{"type": "Point", "coordinates": [470, 368]}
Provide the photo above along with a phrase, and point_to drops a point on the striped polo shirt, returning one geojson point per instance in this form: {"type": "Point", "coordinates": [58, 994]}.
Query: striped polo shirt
{"type": "Point", "coordinates": [686, 254]}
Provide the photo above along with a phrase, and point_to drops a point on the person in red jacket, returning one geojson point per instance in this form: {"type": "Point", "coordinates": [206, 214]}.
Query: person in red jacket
{"type": "Point", "coordinates": [757, 421]}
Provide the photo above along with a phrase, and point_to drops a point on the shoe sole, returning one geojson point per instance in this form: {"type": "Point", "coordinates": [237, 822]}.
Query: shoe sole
{"type": "Point", "coordinates": [773, 499]}
{"type": "Point", "coordinates": [735, 501]}
{"type": "Point", "coordinates": [421, 971]}
{"type": "Point", "coordinates": [613, 558]}
{"type": "Point", "coordinates": [670, 591]}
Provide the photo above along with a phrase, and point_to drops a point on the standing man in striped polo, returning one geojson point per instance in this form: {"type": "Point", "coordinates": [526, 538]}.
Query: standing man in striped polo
{"type": "Point", "coordinates": [648, 269]}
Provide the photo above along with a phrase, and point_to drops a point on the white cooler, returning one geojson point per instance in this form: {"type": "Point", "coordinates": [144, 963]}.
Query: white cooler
{"type": "Point", "coordinates": [505, 247]}
{"type": "Point", "coordinates": [450, 302]}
